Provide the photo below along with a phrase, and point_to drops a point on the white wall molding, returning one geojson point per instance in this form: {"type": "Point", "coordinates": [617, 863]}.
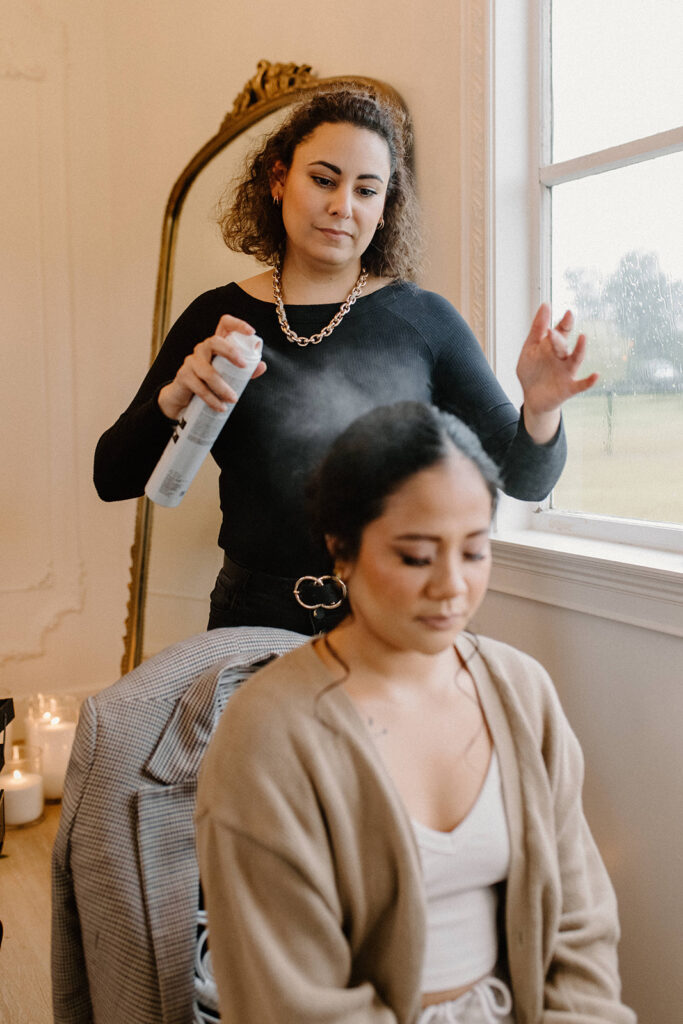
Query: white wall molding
{"type": "Point", "coordinates": [593, 579]}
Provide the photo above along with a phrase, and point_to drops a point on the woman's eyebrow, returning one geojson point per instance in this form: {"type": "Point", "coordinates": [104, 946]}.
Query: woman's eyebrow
{"type": "Point", "coordinates": [418, 536]}
{"type": "Point", "coordinates": [435, 537]}
{"type": "Point", "coordinates": [337, 170]}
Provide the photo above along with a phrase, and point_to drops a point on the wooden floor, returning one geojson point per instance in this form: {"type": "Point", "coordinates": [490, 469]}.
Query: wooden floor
{"type": "Point", "coordinates": [25, 915]}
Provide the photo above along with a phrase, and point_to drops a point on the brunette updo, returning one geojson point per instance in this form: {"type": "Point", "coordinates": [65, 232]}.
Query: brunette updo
{"type": "Point", "coordinates": [250, 222]}
{"type": "Point", "coordinates": [375, 455]}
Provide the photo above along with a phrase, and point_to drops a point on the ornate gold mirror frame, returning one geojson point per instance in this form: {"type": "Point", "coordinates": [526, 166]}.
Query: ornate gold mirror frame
{"type": "Point", "coordinates": [273, 86]}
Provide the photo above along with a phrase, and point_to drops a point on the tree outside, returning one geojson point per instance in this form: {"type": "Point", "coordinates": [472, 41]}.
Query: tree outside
{"type": "Point", "coordinates": [634, 322]}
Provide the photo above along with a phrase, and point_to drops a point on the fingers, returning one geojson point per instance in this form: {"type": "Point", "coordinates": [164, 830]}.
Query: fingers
{"type": "Point", "coordinates": [566, 324]}
{"type": "Point", "coordinates": [221, 343]}
{"type": "Point", "coordinates": [228, 323]}
{"type": "Point", "coordinates": [583, 385]}
{"type": "Point", "coordinates": [560, 349]}
{"type": "Point", "coordinates": [540, 323]}
{"type": "Point", "coordinates": [198, 377]}
{"type": "Point", "coordinates": [560, 333]}
{"type": "Point", "coordinates": [557, 344]}
{"type": "Point", "coordinates": [579, 352]}
{"type": "Point", "coordinates": [198, 374]}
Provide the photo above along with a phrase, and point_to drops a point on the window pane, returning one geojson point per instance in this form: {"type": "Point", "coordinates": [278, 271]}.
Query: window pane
{"type": "Point", "coordinates": [616, 72]}
{"type": "Point", "coordinates": [618, 263]}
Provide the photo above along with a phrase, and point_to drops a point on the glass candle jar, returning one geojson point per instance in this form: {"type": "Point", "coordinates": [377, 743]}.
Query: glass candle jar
{"type": "Point", "coordinates": [51, 725]}
{"type": "Point", "coordinates": [22, 782]}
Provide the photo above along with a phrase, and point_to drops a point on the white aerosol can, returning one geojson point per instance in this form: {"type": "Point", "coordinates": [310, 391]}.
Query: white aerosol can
{"type": "Point", "coordinates": [198, 427]}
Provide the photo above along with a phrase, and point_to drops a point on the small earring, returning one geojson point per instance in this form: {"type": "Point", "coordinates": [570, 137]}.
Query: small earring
{"type": "Point", "coordinates": [276, 200]}
{"type": "Point", "coordinates": [380, 224]}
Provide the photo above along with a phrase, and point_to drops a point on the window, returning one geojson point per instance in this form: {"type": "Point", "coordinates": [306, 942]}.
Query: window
{"type": "Point", "coordinates": [612, 169]}
{"type": "Point", "coordinates": [587, 106]}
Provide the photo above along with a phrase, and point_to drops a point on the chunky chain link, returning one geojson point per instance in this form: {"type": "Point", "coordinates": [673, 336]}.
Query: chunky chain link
{"type": "Point", "coordinates": [315, 339]}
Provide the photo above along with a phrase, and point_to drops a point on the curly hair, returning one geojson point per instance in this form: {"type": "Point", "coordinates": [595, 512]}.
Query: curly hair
{"type": "Point", "coordinates": [251, 223]}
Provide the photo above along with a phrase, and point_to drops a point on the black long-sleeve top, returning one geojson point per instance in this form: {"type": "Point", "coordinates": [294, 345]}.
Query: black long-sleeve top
{"type": "Point", "coordinates": [397, 343]}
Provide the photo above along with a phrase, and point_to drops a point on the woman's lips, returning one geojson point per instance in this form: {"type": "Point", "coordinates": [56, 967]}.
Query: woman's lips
{"type": "Point", "coordinates": [334, 233]}
{"type": "Point", "coordinates": [441, 622]}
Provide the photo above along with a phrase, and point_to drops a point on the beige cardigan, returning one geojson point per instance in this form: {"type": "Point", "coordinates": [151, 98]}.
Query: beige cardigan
{"type": "Point", "coordinates": [312, 876]}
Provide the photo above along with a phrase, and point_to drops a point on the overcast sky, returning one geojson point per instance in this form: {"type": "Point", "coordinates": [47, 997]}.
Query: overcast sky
{"type": "Point", "coordinates": [617, 75]}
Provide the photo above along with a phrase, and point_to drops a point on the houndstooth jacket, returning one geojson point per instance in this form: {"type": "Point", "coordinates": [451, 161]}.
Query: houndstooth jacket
{"type": "Point", "coordinates": [125, 880]}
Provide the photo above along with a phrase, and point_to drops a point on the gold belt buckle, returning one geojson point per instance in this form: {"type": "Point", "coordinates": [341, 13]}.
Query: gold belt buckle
{"type": "Point", "coordinates": [320, 581]}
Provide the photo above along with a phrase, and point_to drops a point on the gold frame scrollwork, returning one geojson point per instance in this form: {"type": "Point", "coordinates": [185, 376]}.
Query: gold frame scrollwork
{"type": "Point", "coordinates": [271, 87]}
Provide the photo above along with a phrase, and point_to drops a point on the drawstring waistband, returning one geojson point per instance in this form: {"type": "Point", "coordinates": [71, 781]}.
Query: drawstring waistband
{"type": "Point", "coordinates": [493, 996]}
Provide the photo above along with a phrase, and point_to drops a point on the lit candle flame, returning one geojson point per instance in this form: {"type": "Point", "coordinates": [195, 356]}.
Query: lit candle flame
{"type": "Point", "coordinates": [17, 774]}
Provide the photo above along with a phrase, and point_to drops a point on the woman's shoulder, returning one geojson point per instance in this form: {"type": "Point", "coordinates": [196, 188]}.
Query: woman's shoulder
{"type": "Point", "coordinates": [501, 653]}
{"type": "Point", "coordinates": [409, 293]}
{"type": "Point", "coordinates": [431, 313]}
{"type": "Point", "coordinates": [281, 726]}
{"type": "Point", "coordinates": [520, 679]}
{"type": "Point", "coordinates": [259, 287]}
{"type": "Point", "coordinates": [217, 297]}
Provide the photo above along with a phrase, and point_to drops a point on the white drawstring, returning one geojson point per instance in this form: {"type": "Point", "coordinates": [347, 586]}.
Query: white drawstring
{"type": "Point", "coordinates": [494, 997]}
{"type": "Point", "coordinates": [494, 1000]}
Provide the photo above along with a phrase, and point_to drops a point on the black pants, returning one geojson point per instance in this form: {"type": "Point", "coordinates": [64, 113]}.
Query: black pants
{"type": "Point", "coordinates": [245, 598]}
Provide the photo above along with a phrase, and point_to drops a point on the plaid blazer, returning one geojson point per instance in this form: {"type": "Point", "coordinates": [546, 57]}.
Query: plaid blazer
{"type": "Point", "coordinates": [125, 880]}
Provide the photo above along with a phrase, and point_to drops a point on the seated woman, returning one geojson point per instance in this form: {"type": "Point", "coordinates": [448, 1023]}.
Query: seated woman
{"type": "Point", "coordinates": [389, 817]}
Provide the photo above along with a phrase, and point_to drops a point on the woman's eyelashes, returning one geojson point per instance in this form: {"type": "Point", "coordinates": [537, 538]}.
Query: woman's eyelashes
{"type": "Point", "coordinates": [322, 181]}
{"type": "Point", "coordinates": [365, 191]}
{"type": "Point", "coordinates": [475, 556]}
{"type": "Point", "coordinates": [420, 561]}
{"type": "Point", "coordinates": [414, 560]}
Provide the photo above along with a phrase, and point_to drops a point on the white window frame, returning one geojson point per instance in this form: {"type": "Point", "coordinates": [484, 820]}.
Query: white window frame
{"type": "Point", "coordinates": [624, 570]}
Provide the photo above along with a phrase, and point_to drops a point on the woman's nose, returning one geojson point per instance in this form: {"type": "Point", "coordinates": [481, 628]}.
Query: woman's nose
{"type": "Point", "coordinates": [340, 203]}
{"type": "Point", "coordinates": [447, 580]}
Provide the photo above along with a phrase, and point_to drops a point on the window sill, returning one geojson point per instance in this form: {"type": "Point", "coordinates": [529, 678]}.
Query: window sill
{"type": "Point", "coordinates": [638, 586]}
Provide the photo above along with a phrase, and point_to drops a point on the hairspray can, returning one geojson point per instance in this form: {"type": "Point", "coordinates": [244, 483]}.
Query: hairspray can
{"type": "Point", "coordinates": [198, 427]}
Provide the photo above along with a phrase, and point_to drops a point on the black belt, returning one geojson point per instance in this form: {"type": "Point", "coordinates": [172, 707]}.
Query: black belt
{"type": "Point", "coordinates": [311, 592]}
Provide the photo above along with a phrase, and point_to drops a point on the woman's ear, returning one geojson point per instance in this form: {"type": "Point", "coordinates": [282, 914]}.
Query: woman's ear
{"type": "Point", "coordinates": [277, 176]}
{"type": "Point", "coordinates": [341, 564]}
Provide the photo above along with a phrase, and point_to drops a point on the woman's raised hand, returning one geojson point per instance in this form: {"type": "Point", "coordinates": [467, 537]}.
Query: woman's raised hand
{"type": "Point", "coordinates": [197, 376]}
{"type": "Point", "coordinates": [547, 372]}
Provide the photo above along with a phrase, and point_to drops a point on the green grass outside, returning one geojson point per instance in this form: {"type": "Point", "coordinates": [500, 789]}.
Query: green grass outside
{"type": "Point", "coordinates": [629, 464]}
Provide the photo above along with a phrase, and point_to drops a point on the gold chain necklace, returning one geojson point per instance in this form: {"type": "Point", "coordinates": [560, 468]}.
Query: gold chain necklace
{"type": "Point", "coordinates": [315, 339]}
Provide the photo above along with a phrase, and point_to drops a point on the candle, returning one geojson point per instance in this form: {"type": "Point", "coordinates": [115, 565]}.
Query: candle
{"type": "Point", "coordinates": [23, 796]}
{"type": "Point", "coordinates": [23, 785]}
{"type": "Point", "coordinates": [51, 725]}
{"type": "Point", "coordinates": [55, 738]}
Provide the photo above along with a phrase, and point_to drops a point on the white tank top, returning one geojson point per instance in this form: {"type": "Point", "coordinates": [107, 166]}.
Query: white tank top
{"type": "Point", "coordinates": [461, 870]}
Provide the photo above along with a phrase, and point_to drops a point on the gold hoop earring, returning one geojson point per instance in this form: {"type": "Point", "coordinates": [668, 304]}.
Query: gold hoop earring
{"type": "Point", "coordinates": [276, 200]}
{"type": "Point", "coordinates": [380, 224]}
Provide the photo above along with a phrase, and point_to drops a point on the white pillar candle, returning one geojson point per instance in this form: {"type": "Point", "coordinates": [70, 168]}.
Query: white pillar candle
{"type": "Point", "coordinates": [55, 738]}
{"type": "Point", "coordinates": [31, 727]}
{"type": "Point", "coordinates": [23, 796]}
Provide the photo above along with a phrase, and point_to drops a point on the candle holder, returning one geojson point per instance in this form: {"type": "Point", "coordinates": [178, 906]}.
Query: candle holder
{"type": "Point", "coordinates": [51, 725]}
{"type": "Point", "coordinates": [22, 782]}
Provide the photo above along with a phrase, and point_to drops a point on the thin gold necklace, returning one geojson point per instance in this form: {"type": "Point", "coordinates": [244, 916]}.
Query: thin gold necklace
{"type": "Point", "coordinates": [315, 339]}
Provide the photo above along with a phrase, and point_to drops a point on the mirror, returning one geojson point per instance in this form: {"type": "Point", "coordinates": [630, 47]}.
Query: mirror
{"type": "Point", "coordinates": [175, 556]}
